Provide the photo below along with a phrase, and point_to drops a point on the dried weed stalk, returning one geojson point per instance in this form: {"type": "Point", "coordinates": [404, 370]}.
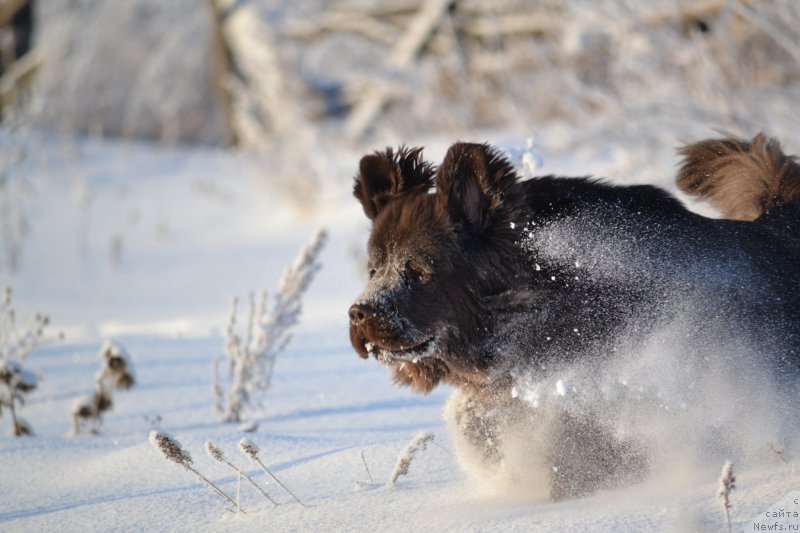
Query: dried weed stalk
{"type": "Point", "coordinates": [116, 372]}
{"type": "Point", "coordinates": [418, 443]}
{"type": "Point", "coordinates": [250, 449]}
{"type": "Point", "coordinates": [215, 453]}
{"type": "Point", "coordinates": [172, 451]}
{"type": "Point", "coordinates": [16, 344]}
{"type": "Point", "coordinates": [727, 482]}
{"type": "Point", "coordinates": [251, 357]}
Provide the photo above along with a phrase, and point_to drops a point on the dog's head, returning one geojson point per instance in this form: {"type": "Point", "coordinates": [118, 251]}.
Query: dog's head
{"type": "Point", "coordinates": [435, 254]}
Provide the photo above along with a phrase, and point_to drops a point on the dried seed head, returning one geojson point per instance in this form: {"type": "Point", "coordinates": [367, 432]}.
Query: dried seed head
{"type": "Point", "coordinates": [249, 448]}
{"type": "Point", "coordinates": [727, 482]}
{"type": "Point", "coordinates": [214, 451]}
{"type": "Point", "coordinates": [124, 381]}
{"type": "Point", "coordinates": [170, 447]}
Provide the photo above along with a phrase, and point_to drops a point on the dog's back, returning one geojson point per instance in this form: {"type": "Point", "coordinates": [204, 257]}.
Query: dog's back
{"type": "Point", "coordinates": [746, 180]}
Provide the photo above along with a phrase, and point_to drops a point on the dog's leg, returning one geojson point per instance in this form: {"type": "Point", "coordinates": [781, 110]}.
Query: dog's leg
{"type": "Point", "coordinates": [587, 457]}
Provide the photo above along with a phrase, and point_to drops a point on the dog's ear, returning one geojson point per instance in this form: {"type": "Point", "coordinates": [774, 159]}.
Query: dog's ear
{"type": "Point", "coordinates": [383, 175]}
{"type": "Point", "coordinates": [471, 182]}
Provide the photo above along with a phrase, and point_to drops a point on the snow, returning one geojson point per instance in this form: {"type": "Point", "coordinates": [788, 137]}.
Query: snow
{"type": "Point", "coordinates": [196, 227]}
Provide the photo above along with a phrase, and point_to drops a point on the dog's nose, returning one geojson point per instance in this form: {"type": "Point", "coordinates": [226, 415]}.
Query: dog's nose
{"type": "Point", "coordinates": [360, 313]}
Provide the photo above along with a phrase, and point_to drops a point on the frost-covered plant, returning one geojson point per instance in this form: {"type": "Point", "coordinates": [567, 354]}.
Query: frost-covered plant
{"type": "Point", "coordinates": [17, 382]}
{"type": "Point", "coordinates": [15, 346]}
{"type": "Point", "coordinates": [173, 451]}
{"type": "Point", "coordinates": [250, 449]}
{"type": "Point", "coordinates": [727, 482]}
{"type": "Point", "coordinates": [778, 451]}
{"type": "Point", "coordinates": [418, 443]}
{"type": "Point", "coordinates": [215, 452]}
{"type": "Point", "coordinates": [251, 357]}
{"type": "Point", "coordinates": [90, 409]}
{"type": "Point", "coordinates": [116, 372]}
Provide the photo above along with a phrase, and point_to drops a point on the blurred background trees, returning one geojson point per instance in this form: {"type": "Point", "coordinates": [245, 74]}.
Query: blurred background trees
{"type": "Point", "coordinates": [260, 72]}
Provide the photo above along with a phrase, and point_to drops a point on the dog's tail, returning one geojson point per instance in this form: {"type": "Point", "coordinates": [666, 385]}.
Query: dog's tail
{"type": "Point", "coordinates": [745, 180]}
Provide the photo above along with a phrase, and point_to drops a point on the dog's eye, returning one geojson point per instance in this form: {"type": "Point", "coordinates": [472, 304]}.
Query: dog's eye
{"type": "Point", "coordinates": [371, 273]}
{"type": "Point", "coordinates": [412, 273]}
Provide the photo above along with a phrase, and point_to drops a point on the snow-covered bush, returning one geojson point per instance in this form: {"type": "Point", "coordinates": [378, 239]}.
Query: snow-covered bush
{"type": "Point", "coordinates": [251, 357]}
{"type": "Point", "coordinates": [15, 380]}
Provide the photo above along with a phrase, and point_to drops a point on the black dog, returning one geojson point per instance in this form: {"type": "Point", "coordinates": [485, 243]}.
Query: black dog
{"type": "Point", "coordinates": [476, 275]}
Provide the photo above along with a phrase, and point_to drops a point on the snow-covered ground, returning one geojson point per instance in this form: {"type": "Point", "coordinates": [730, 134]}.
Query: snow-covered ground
{"type": "Point", "coordinates": [147, 246]}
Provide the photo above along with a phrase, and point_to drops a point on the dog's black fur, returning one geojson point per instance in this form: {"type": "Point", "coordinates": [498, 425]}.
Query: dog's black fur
{"type": "Point", "coordinates": [475, 273]}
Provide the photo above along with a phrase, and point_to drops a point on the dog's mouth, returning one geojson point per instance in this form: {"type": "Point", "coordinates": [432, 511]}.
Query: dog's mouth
{"type": "Point", "coordinates": [402, 353]}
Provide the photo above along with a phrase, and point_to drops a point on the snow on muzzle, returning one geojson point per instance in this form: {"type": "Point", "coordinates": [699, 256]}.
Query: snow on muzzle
{"type": "Point", "coordinates": [374, 334]}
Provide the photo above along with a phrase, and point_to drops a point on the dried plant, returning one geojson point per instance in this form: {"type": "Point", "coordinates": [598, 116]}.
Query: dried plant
{"type": "Point", "coordinates": [116, 372]}
{"type": "Point", "coordinates": [366, 467]}
{"type": "Point", "coordinates": [250, 449]}
{"type": "Point", "coordinates": [16, 344]}
{"type": "Point", "coordinates": [251, 357]}
{"type": "Point", "coordinates": [778, 451]}
{"type": "Point", "coordinates": [90, 410]}
{"type": "Point", "coordinates": [16, 381]}
{"type": "Point", "coordinates": [215, 453]}
{"type": "Point", "coordinates": [174, 452]}
{"type": "Point", "coordinates": [727, 482]}
{"type": "Point", "coordinates": [418, 443]}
